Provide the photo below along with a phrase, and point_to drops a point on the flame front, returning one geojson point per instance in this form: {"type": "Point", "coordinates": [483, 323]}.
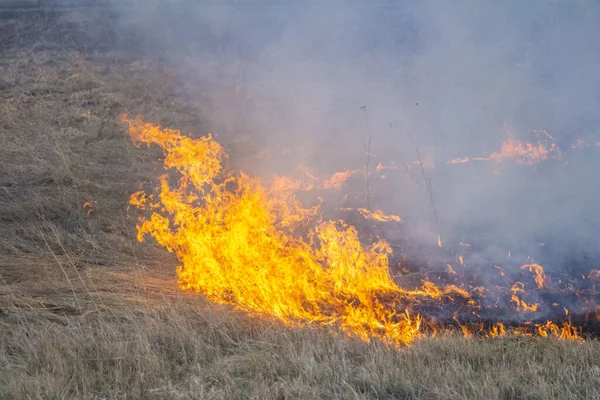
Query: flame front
{"type": "Point", "coordinates": [256, 247]}
{"type": "Point", "coordinates": [234, 238]}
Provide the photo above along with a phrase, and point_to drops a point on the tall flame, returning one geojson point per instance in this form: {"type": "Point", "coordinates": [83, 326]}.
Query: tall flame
{"type": "Point", "coordinates": [256, 247]}
{"type": "Point", "coordinates": [233, 237]}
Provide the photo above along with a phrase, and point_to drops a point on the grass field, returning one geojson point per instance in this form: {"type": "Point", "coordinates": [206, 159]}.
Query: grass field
{"type": "Point", "coordinates": [87, 312]}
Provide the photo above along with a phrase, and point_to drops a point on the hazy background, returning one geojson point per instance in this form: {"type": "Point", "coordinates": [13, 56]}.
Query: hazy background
{"type": "Point", "coordinates": [283, 82]}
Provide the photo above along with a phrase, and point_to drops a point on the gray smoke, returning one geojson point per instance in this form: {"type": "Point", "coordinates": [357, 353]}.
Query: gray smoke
{"type": "Point", "coordinates": [284, 82]}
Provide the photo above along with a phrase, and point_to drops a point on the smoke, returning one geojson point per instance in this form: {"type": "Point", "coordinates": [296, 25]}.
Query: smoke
{"type": "Point", "coordinates": [283, 82]}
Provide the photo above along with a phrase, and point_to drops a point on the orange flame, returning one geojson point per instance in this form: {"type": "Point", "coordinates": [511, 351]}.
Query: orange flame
{"type": "Point", "coordinates": [497, 330]}
{"type": "Point", "coordinates": [238, 243]}
{"type": "Point", "coordinates": [538, 272]}
{"type": "Point", "coordinates": [460, 160]}
{"type": "Point", "coordinates": [518, 287]}
{"type": "Point", "coordinates": [522, 306]}
{"type": "Point", "coordinates": [523, 153]}
{"type": "Point", "coordinates": [381, 167]}
{"type": "Point", "coordinates": [338, 179]}
{"type": "Point", "coordinates": [90, 206]}
{"type": "Point", "coordinates": [236, 247]}
{"type": "Point", "coordinates": [378, 215]}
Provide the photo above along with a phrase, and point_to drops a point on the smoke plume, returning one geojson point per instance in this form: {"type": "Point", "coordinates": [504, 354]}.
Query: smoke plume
{"type": "Point", "coordinates": [283, 83]}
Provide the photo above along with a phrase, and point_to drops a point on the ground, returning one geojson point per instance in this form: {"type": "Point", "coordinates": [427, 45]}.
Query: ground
{"type": "Point", "coordinates": [87, 312]}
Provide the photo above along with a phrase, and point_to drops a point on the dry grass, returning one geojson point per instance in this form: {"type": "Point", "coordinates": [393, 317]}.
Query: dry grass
{"type": "Point", "coordinates": [86, 312]}
{"type": "Point", "coordinates": [183, 348]}
{"type": "Point", "coordinates": [131, 334]}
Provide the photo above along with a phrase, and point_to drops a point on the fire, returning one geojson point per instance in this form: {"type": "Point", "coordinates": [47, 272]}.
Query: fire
{"type": "Point", "coordinates": [90, 206]}
{"type": "Point", "coordinates": [548, 329]}
{"type": "Point", "coordinates": [498, 330]}
{"type": "Point", "coordinates": [538, 272]}
{"type": "Point", "coordinates": [566, 332]}
{"type": "Point", "coordinates": [338, 179]}
{"type": "Point", "coordinates": [462, 160]}
{"type": "Point", "coordinates": [234, 238]}
{"type": "Point", "coordinates": [378, 215]}
{"type": "Point", "coordinates": [517, 288]}
{"type": "Point", "coordinates": [523, 153]}
{"type": "Point", "coordinates": [334, 182]}
{"type": "Point", "coordinates": [382, 167]}
{"type": "Point", "coordinates": [255, 246]}
{"type": "Point", "coordinates": [522, 306]}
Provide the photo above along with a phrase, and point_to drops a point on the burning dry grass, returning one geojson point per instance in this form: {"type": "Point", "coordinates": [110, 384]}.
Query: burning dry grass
{"type": "Point", "coordinates": [135, 337]}
{"type": "Point", "coordinates": [86, 312]}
